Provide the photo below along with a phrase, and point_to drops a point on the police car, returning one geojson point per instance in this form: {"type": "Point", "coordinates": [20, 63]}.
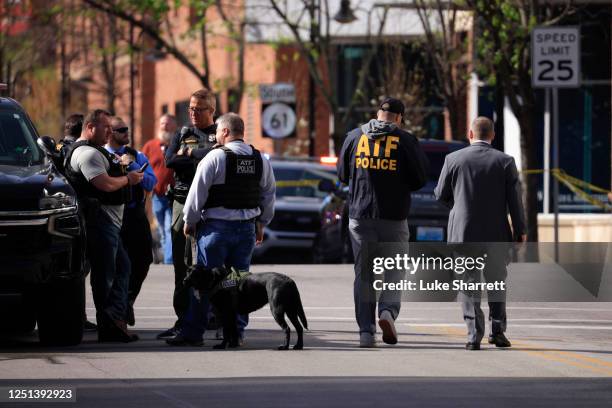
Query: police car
{"type": "Point", "coordinates": [427, 219]}
{"type": "Point", "coordinates": [41, 272]}
{"type": "Point", "coordinates": [297, 210]}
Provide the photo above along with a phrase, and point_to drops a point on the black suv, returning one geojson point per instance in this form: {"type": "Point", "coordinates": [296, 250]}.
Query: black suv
{"type": "Point", "coordinates": [427, 220]}
{"type": "Point", "coordinates": [41, 256]}
{"type": "Point", "coordinates": [297, 207]}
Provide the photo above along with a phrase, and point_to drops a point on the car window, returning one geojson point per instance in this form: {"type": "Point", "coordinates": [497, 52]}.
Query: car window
{"type": "Point", "coordinates": [17, 140]}
{"type": "Point", "coordinates": [301, 182]}
{"type": "Point", "coordinates": [436, 161]}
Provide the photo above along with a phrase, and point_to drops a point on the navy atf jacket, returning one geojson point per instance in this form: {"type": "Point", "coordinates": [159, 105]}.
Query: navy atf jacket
{"type": "Point", "coordinates": [382, 164]}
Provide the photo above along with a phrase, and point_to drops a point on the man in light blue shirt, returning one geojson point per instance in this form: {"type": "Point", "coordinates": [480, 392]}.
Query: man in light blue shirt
{"type": "Point", "coordinates": [230, 200]}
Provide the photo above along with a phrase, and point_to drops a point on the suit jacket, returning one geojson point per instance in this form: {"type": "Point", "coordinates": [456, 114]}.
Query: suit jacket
{"type": "Point", "coordinates": [481, 186]}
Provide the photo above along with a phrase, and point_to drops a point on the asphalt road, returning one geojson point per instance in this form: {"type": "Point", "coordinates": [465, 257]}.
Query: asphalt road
{"type": "Point", "coordinates": [561, 356]}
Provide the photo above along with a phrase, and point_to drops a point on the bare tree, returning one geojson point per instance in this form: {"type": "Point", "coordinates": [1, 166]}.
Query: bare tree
{"type": "Point", "coordinates": [153, 20]}
{"type": "Point", "coordinates": [405, 83]}
{"type": "Point", "coordinates": [445, 26]}
{"type": "Point", "coordinates": [319, 52]}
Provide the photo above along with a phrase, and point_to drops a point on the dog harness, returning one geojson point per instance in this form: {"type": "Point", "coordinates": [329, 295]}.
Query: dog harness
{"type": "Point", "coordinates": [230, 282]}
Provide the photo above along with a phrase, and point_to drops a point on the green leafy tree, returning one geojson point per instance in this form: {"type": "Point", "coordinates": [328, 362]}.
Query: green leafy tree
{"type": "Point", "coordinates": [503, 30]}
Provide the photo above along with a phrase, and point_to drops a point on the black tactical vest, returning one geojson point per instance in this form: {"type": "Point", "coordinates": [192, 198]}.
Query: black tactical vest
{"type": "Point", "coordinates": [241, 190]}
{"type": "Point", "coordinates": [85, 189]}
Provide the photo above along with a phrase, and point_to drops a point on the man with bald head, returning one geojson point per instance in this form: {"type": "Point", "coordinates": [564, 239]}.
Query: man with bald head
{"type": "Point", "coordinates": [481, 186]}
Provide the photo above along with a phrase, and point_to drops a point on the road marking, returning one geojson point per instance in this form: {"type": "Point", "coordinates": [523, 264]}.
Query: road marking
{"type": "Point", "coordinates": [535, 326]}
{"type": "Point", "coordinates": [566, 357]}
{"type": "Point", "coordinates": [573, 309]}
{"type": "Point", "coordinates": [404, 320]}
{"type": "Point", "coordinates": [177, 402]}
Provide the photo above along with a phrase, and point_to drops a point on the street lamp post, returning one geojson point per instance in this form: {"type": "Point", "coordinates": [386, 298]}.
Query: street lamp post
{"type": "Point", "coordinates": [132, 85]}
{"type": "Point", "coordinates": [313, 9]}
{"type": "Point", "coordinates": [344, 16]}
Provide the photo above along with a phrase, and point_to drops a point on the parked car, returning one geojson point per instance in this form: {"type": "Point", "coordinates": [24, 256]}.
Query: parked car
{"type": "Point", "coordinates": [41, 256]}
{"type": "Point", "coordinates": [427, 220]}
{"type": "Point", "coordinates": [297, 211]}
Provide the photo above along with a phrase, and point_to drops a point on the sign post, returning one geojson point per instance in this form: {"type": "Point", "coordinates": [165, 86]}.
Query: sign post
{"type": "Point", "coordinates": [555, 63]}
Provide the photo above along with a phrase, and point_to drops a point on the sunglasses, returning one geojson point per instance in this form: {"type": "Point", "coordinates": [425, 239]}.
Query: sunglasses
{"type": "Point", "coordinates": [121, 130]}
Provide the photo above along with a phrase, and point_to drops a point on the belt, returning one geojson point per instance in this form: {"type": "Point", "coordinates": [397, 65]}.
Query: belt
{"type": "Point", "coordinates": [238, 221]}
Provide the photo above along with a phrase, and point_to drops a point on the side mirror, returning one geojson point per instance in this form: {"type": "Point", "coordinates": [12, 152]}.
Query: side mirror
{"type": "Point", "coordinates": [47, 145]}
{"type": "Point", "coordinates": [327, 186]}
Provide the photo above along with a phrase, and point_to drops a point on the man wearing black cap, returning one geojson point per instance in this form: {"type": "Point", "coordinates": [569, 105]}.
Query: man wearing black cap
{"type": "Point", "coordinates": [382, 164]}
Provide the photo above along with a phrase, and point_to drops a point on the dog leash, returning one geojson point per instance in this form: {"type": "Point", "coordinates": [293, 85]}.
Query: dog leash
{"type": "Point", "coordinates": [191, 248]}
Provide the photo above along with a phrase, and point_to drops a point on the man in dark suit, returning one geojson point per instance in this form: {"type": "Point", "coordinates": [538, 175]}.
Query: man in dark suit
{"type": "Point", "coordinates": [481, 186]}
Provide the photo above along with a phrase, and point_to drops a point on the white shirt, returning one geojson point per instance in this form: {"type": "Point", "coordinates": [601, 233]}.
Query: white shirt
{"type": "Point", "coordinates": [211, 171]}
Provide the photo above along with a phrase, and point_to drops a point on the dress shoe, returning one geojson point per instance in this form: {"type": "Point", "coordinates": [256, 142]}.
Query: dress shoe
{"type": "Point", "coordinates": [499, 340]}
{"type": "Point", "coordinates": [472, 346]}
{"type": "Point", "coordinates": [167, 334]}
{"type": "Point", "coordinates": [387, 326]}
{"type": "Point", "coordinates": [180, 341]}
{"type": "Point", "coordinates": [110, 330]}
{"type": "Point", "coordinates": [131, 319]}
{"type": "Point", "coordinates": [89, 326]}
{"type": "Point", "coordinates": [367, 340]}
{"type": "Point", "coordinates": [113, 334]}
{"type": "Point", "coordinates": [122, 325]}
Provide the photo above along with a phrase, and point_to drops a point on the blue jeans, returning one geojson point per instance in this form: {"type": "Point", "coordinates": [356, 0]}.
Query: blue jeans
{"type": "Point", "coordinates": [110, 268]}
{"type": "Point", "coordinates": [220, 243]}
{"type": "Point", "coordinates": [163, 214]}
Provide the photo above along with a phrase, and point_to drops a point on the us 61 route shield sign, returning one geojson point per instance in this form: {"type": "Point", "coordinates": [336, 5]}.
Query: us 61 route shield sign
{"type": "Point", "coordinates": [555, 57]}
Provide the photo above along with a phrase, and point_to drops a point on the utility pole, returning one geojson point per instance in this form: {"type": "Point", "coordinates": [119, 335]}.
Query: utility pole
{"type": "Point", "coordinates": [314, 38]}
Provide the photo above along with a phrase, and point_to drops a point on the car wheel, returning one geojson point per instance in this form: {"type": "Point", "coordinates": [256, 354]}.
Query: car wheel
{"type": "Point", "coordinates": [60, 312]}
{"type": "Point", "coordinates": [20, 318]}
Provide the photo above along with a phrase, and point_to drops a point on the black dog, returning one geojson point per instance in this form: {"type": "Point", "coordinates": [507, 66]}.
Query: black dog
{"type": "Point", "coordinates": [231, 295]}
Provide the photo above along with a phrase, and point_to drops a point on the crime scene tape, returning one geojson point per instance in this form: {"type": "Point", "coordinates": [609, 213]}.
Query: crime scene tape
{"type": "Point", "coordinates": [297, 183]}
{"type": "Point", "coordinates": [577, 186]}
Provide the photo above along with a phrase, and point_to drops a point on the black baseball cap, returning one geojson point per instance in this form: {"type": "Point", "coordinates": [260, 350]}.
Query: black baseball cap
{"type": "Point", "coordinates": [392, 105]}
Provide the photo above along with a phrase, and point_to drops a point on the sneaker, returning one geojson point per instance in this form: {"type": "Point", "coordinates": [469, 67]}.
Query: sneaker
{"type": "Point", "coordinates": [180, 341]}
{"type": "Point", "coordinates": [367, 340]}
{"type": "Point", "coordinates": [387, 325]}
{"type": "Point", "coordinates": [167, 334]}
{"type": "Point", "coordinates": [89, 326]}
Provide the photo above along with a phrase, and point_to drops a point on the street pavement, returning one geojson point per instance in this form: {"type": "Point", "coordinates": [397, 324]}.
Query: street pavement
{"type": "Point", "coordinates": [561, 356]}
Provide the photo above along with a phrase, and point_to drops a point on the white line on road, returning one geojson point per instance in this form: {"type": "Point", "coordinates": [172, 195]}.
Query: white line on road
{"type": "Point", "coordinates": [407, 305]}
{"type": "Point", "coordinates": [403, 320]}
{"type": "Point", "coordinates": [535, 326]}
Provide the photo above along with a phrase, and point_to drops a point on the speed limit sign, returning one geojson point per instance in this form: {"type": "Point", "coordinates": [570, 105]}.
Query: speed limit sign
{"type": "Point", "coordinates": [278, 120]}
{"type": "Point", "coordinates": [555, 57]}
{"type": "Point", "coordinates": [278, 117]}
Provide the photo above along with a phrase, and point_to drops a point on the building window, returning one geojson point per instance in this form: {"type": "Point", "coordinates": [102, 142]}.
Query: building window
{"type": "Point", "coordinates": [181, 111]}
